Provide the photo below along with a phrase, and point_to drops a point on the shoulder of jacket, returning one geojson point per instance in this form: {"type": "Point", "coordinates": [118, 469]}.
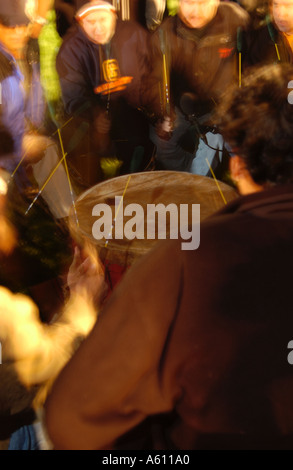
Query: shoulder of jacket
{"type": "Point", "coordinates": [130, 30]}
{"type": "Point", "coordinates": [167, 27]}
{"type": "Point", "coordinates": [169, 23]}
{"type": "Point", "coordinates": [73, 37]}
{"type": "Point", "coordinates": [76, 44]}
{"type": "Point", "coordinates": [232, 10]}
{"type": "Point", "coordinates": [263, 31]}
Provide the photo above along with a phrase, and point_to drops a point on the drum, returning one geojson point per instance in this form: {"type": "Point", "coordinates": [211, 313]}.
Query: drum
{"type": "Point", "coordinates": [142, 190]}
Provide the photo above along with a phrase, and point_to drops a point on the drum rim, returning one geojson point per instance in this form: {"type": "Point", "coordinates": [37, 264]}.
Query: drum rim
{"type": "Point", "coordinates": [157, 173]}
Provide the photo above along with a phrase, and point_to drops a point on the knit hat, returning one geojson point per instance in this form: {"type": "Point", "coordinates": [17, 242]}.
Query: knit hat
{"type": "Point", "coordinates": [12, 13]}
{"type": "Point", "coordinates": [95, 5]}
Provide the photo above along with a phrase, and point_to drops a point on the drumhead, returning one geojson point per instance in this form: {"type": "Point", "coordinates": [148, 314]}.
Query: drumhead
{"type": "Point", "coordinates": [159, 187]}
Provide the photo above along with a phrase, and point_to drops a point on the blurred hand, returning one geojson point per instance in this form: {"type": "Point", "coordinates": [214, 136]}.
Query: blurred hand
{"type": "Point", "coordinates": [34, 146]}
{"type": "Point", "coordinates": [102, 123]}
{"type": "Point", "coordinates": [164, 128]}
{"type": "Point", "coordinates": [86, 276]}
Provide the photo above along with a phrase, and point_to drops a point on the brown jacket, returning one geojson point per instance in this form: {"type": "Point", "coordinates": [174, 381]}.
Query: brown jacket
{"type": "Point", "coordinates": [191, 352]}
{"type": "Point", "coordinates": [201, 61]}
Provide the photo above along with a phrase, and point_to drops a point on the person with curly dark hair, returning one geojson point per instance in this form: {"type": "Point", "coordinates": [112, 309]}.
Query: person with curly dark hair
{"type": "Point", "coordinates": [258, 125]}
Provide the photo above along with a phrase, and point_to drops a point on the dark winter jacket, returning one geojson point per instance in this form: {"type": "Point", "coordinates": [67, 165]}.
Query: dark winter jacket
{"type": "Point", "coordinates": [202, 61]}
{"type": "Point", "coordinates": [266, 46]}
{"type": "Point", "coordinates": [81, 71]}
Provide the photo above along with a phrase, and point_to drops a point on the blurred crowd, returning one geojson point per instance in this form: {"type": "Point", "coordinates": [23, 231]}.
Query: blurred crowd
{"type": "Point", "coordinates": [140, 96]}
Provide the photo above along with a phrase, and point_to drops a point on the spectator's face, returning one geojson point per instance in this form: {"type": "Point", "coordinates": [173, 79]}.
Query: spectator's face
{"type": "Point", "coordinates": [14, 39]}
{"type": "Point", "coordinates": [99, 26]}
{"type": "Point", "coordinates": [198, 13]}
{"type": "Point", "coordinates": [283, 15]}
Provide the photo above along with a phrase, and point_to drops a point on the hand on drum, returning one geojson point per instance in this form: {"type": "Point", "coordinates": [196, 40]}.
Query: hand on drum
{"type": "Point", "coordinates": [102, 128]}
{"type": "Point", "coordinates": [164, 128]}
{"type": "Point", "coordinates": [86, 276]}
{"type": "Point", "coordinates": [34, 146]}
{"type": "Point", "coordinates": [102, 123]}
